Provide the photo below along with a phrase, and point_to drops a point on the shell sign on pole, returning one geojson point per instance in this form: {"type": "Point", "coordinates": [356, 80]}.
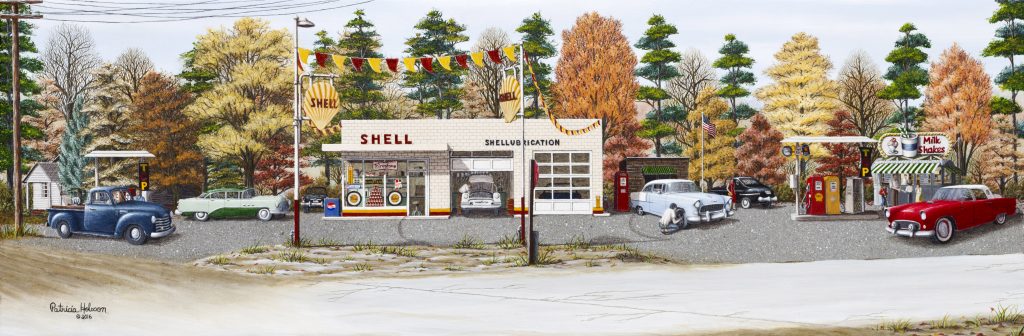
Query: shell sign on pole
{"type": "Point", "coordinates": [321, 104]}
{"type": "Point", "coordinates": [509, 99]}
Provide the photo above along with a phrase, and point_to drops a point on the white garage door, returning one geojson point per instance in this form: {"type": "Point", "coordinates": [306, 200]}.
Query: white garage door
{"type": "Point", "coordinates": [563, 186]}
{"type": "Point", "coordinates": [481, 164]}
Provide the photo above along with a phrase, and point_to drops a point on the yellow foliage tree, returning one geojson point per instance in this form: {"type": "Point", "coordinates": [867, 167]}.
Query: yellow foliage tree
{"type": "Point", "coordinates": [957, 103]}
{"type": "Point", "coordinates": [718, 160]}
{"type": "Point", "coordinates": [250, 102]}
{"type": "Point", "coordinates": [802, 98]}
{"type": "Point", "coordinates": [994, 162]}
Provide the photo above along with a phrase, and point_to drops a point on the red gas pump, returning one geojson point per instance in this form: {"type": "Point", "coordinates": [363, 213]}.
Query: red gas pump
{"type": "Point", "coordinates": [815, 197]}
{"type": "Point", "coordinates": [622, 191]}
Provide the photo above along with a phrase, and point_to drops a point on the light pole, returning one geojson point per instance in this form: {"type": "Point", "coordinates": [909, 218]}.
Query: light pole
{"type": "Point", "coordinates": [304, 23]}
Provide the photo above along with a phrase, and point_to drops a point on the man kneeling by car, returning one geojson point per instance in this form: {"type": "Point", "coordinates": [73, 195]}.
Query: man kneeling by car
{"type": "Point", "coordinates": [670, 217]}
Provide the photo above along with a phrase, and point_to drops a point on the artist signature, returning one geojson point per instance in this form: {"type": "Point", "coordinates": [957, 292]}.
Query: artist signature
{"type": "Point", "coordinates": [83, 311]}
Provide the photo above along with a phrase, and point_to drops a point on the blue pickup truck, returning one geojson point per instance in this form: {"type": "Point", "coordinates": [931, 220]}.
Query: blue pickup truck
{"type": "Point", "coordinates": [112, 212]}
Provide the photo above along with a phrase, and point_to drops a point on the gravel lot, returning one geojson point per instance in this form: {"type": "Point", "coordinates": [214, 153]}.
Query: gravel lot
{"type": "Point", "coordinates": [753, 235]}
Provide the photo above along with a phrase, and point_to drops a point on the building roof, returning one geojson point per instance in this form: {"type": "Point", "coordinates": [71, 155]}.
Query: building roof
{"type": "Point", "coordinates": [828, 139]}
{"type": "Point", "coordinates": [119, 154]}
{"type": "Point", "coordinates": [50, 169]}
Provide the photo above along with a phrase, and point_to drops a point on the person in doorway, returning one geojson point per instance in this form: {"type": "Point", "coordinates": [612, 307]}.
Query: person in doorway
{"type": "Point", "coordinates": [885, 194]}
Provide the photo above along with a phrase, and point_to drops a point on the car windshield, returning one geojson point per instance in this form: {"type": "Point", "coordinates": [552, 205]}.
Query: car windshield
{"type": "Point", "coordinates": [682, 187]}
{"type": "Point", "coordinates": [951, 194]}
{"type": "Point", "coordinates": [749, 182]}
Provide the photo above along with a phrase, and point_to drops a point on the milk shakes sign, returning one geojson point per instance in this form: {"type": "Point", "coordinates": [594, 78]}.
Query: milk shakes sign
{"type": "Point", "coordinates": [916, 145]}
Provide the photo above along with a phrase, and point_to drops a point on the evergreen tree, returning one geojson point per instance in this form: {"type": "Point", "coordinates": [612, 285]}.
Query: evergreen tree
{"type": "Point", "coordinates": [1009, 43]}
{"type": "Point", "coordinates": [438, 93]}
{"type": "Point", "coordinates": [360, 90]}
{"type": "Point", "coordinates": [906, 74]}
{"type": "Point", "coordinates": [734, 60]}
{"type": "Point", "coordinates": [197, 79]}
{"type": "Point", "coordinates": [71, 163]}
{"type": "Point", "coordinates": [537, 41]}
{"type": "Point", "coordinates": [657, 68]}
{"type": "Point", "coordinates": [29, 107]}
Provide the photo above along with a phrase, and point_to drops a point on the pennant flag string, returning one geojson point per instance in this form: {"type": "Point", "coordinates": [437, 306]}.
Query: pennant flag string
{"type": "Point", "coordinates": [499, 56]}
{"type": "Point", "coordinates": [321, 59]}
{"type": "Point", "coordinates": [392, 64]}
{"type": "Point", "coordinates": [494, 56]}
{"type": "Point", "coordinates": [461, 59]}
{"type": "Point", "coordinates": [478, 58]}
{"type": "Point", "coordinates": [374, 64]}
{"type": "Point", "coordinates": [339, 61]}
{"type": "Point", "coordinates": [358, 63]}
{"type": "Point", "coordinates": [446, 62]}
{"type": "Point", "coordinates": [410, 64]}
{"type": "Point", "coordinates": [303, 55]}
{"type": "Point", "coordinates": [427, 63]}
{"type": "Point", "coordinates": [551, 116]}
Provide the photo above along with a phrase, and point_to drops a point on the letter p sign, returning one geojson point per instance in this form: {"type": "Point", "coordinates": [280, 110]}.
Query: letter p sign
{"type": "Point", "coordinates": [143, 176]}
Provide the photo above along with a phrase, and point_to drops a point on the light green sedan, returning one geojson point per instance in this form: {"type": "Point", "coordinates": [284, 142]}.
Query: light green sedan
{"type": "Point", "coordinates": [232, 203]}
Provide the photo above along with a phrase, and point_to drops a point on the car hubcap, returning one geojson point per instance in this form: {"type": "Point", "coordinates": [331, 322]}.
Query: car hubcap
{"type": "Point", "coordinates": [136, 233]}
{"type": "Point", "coordinates": [746, 203]}
{"type": "Point", "coordinates": [64, 229]}
{"type": "Point", "coordinates": [943, 230]}
{"type": "Point", "coordinates": [264, 213]}
{"type": "Point", "coordinates": [201, 215]}
{"type": "Point", "coordinates": [1001, 218]}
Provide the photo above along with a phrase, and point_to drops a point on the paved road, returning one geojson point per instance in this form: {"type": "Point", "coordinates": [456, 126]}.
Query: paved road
{"type": "Point", "coordinates": [753, 235]}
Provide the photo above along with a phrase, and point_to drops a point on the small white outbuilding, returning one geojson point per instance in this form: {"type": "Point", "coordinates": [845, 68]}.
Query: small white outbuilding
{"type": "Point", "coordinates": [43, 186]}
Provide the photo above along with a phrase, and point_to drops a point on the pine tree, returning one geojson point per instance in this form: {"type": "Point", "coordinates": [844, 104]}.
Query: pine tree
{"type": "Point", "coordinates": [438, 93]}
{"type": "Point", "coordinates": [734, 60]}
{"type": "Point", "coordinates": [759, 155]}
{"type": "Point", "coordinates": [30, 66]}
{"type": "Point", "coordinates": [360, 90]}
{"type": "Point", "coordinates": [657, 68]}
{"type": "Point", "coordinates": [537, 41]}
{"type": "Point", "coordinates": [957, 103]}
{"type": "Point", "coordinates": [802, 98]}
{"type": "Point", "coordinates": [71, 162]}
{"type": "Point", "coordinates": [596, 48]}
{"type": "Point", "coordinates": [906, 74]}
{"type": "Point", "coordinates": [718, 159]}
{"type": "Point", "coordinates": [1009, 43]}
{"type": "Point", "coordinates": [843, 159]}
{"type": "Point", "coordinates": [197, 79]}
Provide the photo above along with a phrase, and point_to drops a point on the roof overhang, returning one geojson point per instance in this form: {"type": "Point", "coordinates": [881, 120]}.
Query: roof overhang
{"type": "Point", "coordinates": [383, 148]}
{"type": "Point", "coordinates": [119, 154]}
{"type": "Point", "coordinates": [829, 139]}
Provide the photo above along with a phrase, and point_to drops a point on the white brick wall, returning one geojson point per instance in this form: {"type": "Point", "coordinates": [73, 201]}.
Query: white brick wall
{"type": "Point", "coordinates": [471, 135]}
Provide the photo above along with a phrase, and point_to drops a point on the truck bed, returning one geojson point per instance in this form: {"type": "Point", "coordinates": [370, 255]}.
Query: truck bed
{"type": "Point", "coordinates": [68, 207]}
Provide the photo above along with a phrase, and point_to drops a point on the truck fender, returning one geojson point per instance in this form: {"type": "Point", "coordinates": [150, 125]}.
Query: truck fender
{"type": "Point", "coordinates": [143, 219]}
{"type": "Point", "coordinates": [56, 216]}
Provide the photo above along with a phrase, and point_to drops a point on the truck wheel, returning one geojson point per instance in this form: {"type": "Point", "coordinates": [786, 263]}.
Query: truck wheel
{"type": "Point", "coordinates": [264, 215]}
{"type": "Point", "coordinates": [64, 229]}
{"type": "Point", "coordinates": [135, 235]}
{"type": "Point", "coordinates": [1001, 219]}
{"type": "Point", "coordinates": [944, 231]}
{"type": "Point", "coordinates": [745, 202]}
{"type": "Point", "coordinates": [640, 211]}
{"type": "Point", "coordinates": [201, 216]}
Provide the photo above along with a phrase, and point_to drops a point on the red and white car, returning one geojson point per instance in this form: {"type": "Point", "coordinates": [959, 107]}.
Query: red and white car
{"type": "Point", "coordinates": [951, 209]}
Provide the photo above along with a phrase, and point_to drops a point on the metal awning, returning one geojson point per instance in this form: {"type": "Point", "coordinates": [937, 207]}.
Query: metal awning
{"type": "Point", "coordinates": [119, 154]}
{"type": "Point", "coordinates": [383, 148]}
{"type": "Point", "coordinates": [828, 139]}
{"type": "Point", "coordinates": [906, 167]}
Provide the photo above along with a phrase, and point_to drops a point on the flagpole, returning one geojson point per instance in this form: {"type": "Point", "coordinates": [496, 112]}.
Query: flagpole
{"type": "Point", "coordinates": [702, 130]}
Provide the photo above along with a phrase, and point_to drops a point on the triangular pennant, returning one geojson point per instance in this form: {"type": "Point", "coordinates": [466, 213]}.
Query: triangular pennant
{"type": "Point", "coordinates": [461, 59]}
{"type": "Point", "coordinates": [478, 58]}
{"type": "Point", "coordinates": [303, 56]}
{"type": "Point", "coordinates": [446, 62]}
{"type": "Point", "coordinates": [321, 59]}
{"type": "Point", "coordinates": [374, 64]}
{"type": "Point", "coordinates": [494, 56]}
{"type": "Point", "coordinates": [510, 53]}
{"type": "Point", "coordinates": [392, 64]}
{"type": "Point", "coordinates": [427, 63]}
{"type": "Point", "coordinates": [339, 61]}
{"type": "Point", "coordinates": [358, 63]}
{"type": "Point", "coordinates": [410, 64]}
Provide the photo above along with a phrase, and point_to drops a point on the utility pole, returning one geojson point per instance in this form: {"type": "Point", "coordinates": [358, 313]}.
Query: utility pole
{"type": "Point", "coordinates": [13, 17]}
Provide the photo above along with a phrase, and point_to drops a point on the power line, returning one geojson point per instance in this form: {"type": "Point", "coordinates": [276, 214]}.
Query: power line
{"type": "Point", "coordinates": [272, 6]}
{"type": "Point", "coordinates": [257, 13]}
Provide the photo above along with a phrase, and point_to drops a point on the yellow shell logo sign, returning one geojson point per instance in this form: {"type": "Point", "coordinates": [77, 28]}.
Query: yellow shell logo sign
{"type": "Point", "coordinates": [321, 104]}
{"type": "Point", "coordinates": [509, 98]}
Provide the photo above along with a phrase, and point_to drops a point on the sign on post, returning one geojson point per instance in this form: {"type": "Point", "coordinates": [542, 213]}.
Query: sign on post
{"type": "Point", "coordinates": [865, 161]}
{"type": "Point", "coordinates": [143, 176]}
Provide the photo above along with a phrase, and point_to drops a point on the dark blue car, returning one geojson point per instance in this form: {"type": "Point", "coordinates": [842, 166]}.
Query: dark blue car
{"type": "Point", "coordinates": [112, 212]}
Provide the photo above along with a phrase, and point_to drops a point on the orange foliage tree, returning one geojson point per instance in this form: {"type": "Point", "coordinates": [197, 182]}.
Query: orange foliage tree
{"type": "Point", "coordinates": [595, 80]}
{"type": "Point", "coordinates": [162, 128]}
{"type": "Point", "coordinates": [760, 155]}
{"type": "Point", "coordinates": [957, 103]}
{"type": "Point", "coordinates": [843, 159]}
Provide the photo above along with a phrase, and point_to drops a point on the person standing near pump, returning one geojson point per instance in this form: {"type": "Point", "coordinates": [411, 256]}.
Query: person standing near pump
{"type": "Point", "coordinates": [732, 192]}
{"type": "Point", "coordinates": [884, 192]}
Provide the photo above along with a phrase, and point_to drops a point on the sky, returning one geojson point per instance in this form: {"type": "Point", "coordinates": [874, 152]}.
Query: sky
{"type": "Point", "coordinates": [842, 26]}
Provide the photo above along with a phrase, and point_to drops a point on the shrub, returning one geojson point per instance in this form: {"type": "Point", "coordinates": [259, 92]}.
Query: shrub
{"type": "Point", "coordinates": [468, 242]}
{"type": "Point", "coordinates": [783, 192]}
{"type": "Point", "coordinates": [509, 242]}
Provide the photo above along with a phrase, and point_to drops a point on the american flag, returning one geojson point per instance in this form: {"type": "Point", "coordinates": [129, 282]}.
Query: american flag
{"type": "Point", "coordinates": [709, 127]}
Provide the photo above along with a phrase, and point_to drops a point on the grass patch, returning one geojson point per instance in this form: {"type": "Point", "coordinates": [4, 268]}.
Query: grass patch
{"type": "Point", "coordinates": [262, 270]}
{"type": "Point", "coordinates": [898, 326]}
{"type": "Point", "coordinates": [468, 242]}
{"type": "Point", "coordinates": [254, 249]}
{"type": "Point", "coordinates": [219, 260]}
{"type": "Point", "coordinates": [976, 322]}
{"type": "Point", "coordinates": [366, 247]}
{"type": "Point", "coordinates": [8, 231]}
{"type": "Point", "coordinates": [401, 251]}
{"type": "Point", "coordinates": [578, 243]}
{"type": "Point", "coordinates": [321, 261]}
{"type": "Point", "coordinates": [324, 241]}
{"type": "Point", "coordinates": [591, 263]}
{"type": "Point", "coordinates": [302, 242]}
{"type": "Point", "coordinates": [452, 268]}
{"type": "Point", "coordinates": [292, 256]}
{"type": "Point", "coordinates": [362, 267]}
{"type": "Point", "coordinates": [945, 323]}
{"type": "Point", "coordinates": [545, 257]}
{"type": "Point", "coordinates": [509, 242]}
{"type": "Point", "coordinates": [492, 260]}
{"type": "Point", "coordinates": [632, 254]}
{"type": "Point", "coordinates": [1006, 314]}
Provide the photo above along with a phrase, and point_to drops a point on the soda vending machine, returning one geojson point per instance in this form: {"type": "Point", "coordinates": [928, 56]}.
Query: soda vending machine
{"type": "Point", "coordinates": [815, 196]}
{"type": "Point", "coordinates": [832, 196]}
{"type": "Point", "coordinates": [622, 191]}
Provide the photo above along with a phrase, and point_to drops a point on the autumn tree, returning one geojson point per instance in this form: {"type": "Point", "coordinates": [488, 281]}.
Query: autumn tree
{"type": "Point", "coordinates": [736, 64]}
{"type": "Point", "coordinates": [69, 60]}
{"type": "Point", "coordinates": [486, 81]}
{"type": "Point", "coordinates": [717, 156]}
{"type": "Point", "coordinates": [657, 68]}
{"type": "Point", "coordinates": [695, 74]}
{"type": "Point", "coordinates": [843, 159]}
{"type": "Point", "coordinates": [906, 73]}
{"type": "Point", "coordinates": [536, 39]}
{"type": "Point", "coordinates": [1008, 44]}
{"type": "Point", "coordinates": [274, 174]}
{"type": "Point", "coordinates": [994, 162]}
{"type": "Point", "coordinates": [957, 103]}
{"type": "Point", "coordinates": [49, 121]}
{"type": "Point", "coordinates": [802, 98]}
{"type": "Point", "coordinates": [759, 155]}
{"type": "Point", "coordinates": [250, 101]}
{"type": "Point", "coordinates": [860, 81]}
{"type": "Point", "coordinates": [163, 128]}
{"type": "Point", "coordinates": [114, 88]}
{"type": "Point", "coordinates": [437, 93]}
{"type": "Point", "coordinates": [595, 80]}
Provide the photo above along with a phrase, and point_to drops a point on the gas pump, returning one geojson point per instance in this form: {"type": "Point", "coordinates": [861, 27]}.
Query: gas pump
{"type": "Point", "coordinates": [622, 191]}
{"type": "Point", "coordinates": [815, 196]}
{"type": "Point", "coordinates": [832, 195]}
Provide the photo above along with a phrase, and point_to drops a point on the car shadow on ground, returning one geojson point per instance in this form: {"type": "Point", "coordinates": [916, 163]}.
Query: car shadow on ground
{"type": "Point", "coordinates": [966, 236]}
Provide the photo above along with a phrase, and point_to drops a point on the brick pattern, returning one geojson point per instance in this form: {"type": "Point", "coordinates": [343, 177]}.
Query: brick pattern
{"type": "Point", "coordinates": [635, 165]}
